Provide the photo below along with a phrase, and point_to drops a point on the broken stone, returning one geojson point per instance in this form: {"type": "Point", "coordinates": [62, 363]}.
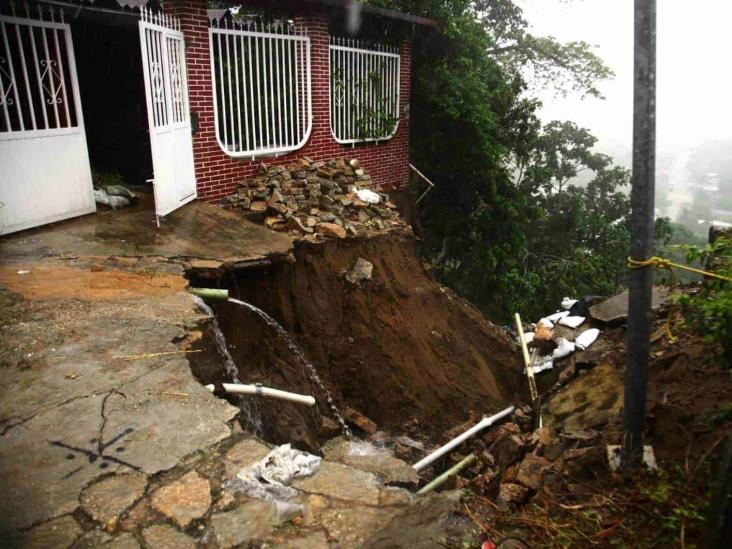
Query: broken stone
{"type": "Point", "coordinates": [361, 271]}
{"type": "Point", "coordinates": [141, 513]}
{"type": "Point", "coordinates": [531, 471]}
{"type": "Point", "coordinates": [274, 222]}
{"type": "Point", "coordinates": [339, 481]}
{"type": "Point", "coordinates": [359, 420]}
{"type": "Point", "coordinates": [331, 230]}
{"type": "Point", "coordinates": [508, 446]}
{"type": "Point", "coordinates": [511, 493]}
{"type": "Point", "coordinates": [60, 532]}
{"type": "Point", "coordinates": [163, 536]}
{"type": "Point", "coordinates": [615, 309]}
{"type": "Point", "coordinates": [185, 500]}
{"type": "Point", "coordinates": [276, 196]}
{"type": "Point", "coordinates": [258, 206]}
{"type": "Point", "coordinates": [366, 457]}
{"type": "Point", "coordinates": [313, 507]}
{"type": "Point", "coordinates": [251, 521]}
{"type": "Point", "coordinates": [243, 454]}
{"type": "Point", "coordinates": [584, 463]}
{"type": "Point", "coordinates": [105, 501]}
{"type": "Point", "coordinates": [393, 496]}
{"type": "Point", "coordinates": [294, 224]}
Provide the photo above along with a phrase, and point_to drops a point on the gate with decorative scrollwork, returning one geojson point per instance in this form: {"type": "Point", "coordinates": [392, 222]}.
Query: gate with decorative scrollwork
{"type": "Point", "coordinates": [44, 163]}
{"type": "Point", "coordinates": [166, 91]}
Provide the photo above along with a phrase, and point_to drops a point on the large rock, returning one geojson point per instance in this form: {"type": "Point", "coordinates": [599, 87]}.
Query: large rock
{"type": "Point", "coordinates": [331, 230]}
{"type": "Point", "coordinates": [615, 309]}
{"type": "Point", "coordinates": [588, 401]}
{"type": "Point", "coordinates": [58, 533]}
{"type": "Point", "coordinates": [361, 271]}
{"type": "Point", "coordinates": [185, 500]}
{"type": "Point", "coordinates": [359, 420]}
{"type": "Point", "coordinates": [163, 536]}
{"type": "Point", "coordinates": [508, 446]}
{"type": "Point", "coordinates": [339, 481]}
{"type": "Point", "coordinates": [105, 501]}
{"type": "Point", "coordinates": [531, 471]}
{"type": "Point", "coordinates": [243, 454]}
{"type": "Point", "coordinates": [512, 493]}
{"type": "Point", "coordinates": [251, 521]}
{"type": "Point", "coordinates": [367, 457]}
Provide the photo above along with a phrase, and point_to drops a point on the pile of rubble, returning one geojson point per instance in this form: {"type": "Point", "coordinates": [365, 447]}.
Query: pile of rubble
{"type": "Point", "coordinates": [331, 199]}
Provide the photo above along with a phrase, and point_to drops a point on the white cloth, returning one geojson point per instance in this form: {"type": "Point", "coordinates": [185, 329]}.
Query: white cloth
{"type": "Point", "coordinates": [269, 478]}
{"type": "Point", "coordinates": [564, 348]}
{"type": "Point", "coordinates": [568, 303]}
{"type": "Point", "coordinates": [572, 321]}
{"type": "Point", "coordinates": [368, 196]}
{"type": "Point", "coordinates": [586, 338]}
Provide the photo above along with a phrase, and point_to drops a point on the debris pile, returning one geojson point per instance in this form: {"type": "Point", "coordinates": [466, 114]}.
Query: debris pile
{"type": "Point", "coordinates": [558, 335]}
{"type": "Point", "coordinates": [332, 199]}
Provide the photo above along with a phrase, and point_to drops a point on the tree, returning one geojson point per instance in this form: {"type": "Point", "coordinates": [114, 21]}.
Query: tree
{"type": "Point", "coordinates": [477, 136]}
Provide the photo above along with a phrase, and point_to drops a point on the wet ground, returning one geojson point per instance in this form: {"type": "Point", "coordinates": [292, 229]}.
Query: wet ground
{"type": "Point", "coordinates": [106, 438]}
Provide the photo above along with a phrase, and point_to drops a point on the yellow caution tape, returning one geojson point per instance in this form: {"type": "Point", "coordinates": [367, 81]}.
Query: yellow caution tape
{"type": "Point", "coordinates": [664, 263]}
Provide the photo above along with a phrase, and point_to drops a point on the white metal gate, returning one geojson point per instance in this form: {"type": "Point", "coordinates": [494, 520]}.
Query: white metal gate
{"type": "Point", "coordinates": [44, 163]}
{"type": "Point", "coordinates": [166, 90]}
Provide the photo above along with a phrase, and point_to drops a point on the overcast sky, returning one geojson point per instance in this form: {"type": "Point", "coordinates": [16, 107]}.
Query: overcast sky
{"type": "Point", "coordinates": [694, 67]}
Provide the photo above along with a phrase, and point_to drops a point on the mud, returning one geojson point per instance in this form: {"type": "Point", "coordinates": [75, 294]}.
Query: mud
{"type": "Point", "coordinates": [55, 281]}
{"type": "Point", "coordinates": [402, 350]}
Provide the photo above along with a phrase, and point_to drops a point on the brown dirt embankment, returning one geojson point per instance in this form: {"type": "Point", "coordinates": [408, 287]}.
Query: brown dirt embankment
{"type": "Point", "coordinates": [398, 347]}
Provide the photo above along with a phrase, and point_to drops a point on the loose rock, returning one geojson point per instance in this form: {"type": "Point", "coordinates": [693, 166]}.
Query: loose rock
{"type": "Point", "coordinates": [185, 500]}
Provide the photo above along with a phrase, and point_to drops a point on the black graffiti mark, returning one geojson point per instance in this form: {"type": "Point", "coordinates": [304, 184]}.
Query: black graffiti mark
{"type": "Point", "coordinates": [97, 454]}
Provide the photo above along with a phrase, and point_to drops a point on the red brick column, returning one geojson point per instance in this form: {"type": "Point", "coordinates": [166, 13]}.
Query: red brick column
{"type": "Point", "coordinates": [217, 174]}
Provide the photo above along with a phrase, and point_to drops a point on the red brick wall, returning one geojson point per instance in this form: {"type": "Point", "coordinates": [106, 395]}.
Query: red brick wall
{"type": "Point", "coordinates": [218, 174]}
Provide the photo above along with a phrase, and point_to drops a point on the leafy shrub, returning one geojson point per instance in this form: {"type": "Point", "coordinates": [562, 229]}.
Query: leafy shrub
{"type": "Point", "coordinates": [709, 311]}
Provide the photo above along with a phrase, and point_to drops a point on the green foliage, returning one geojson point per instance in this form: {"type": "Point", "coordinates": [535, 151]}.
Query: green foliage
{"type": "Point", "coordinates": [373, 119]}
{"type": "Point", "coordinates": [671, 506]}
{"type": "Point", "coordinates": [709, 311]}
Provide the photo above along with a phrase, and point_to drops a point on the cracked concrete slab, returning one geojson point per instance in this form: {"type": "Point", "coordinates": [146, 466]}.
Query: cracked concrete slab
{"type": "Point", "coordinates": [74, 405]}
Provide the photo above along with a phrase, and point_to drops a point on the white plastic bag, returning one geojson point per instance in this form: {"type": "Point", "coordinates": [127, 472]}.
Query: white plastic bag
{"type": "Point", "coordinates": [528, 337]}
{"type": "Point", "coordinates": [546, 323]}
{"type": "Point", "coordinates": [368, 196]}
{"type": "Point", "coordinates": [564, 348]}
{"type": "Point", "coordinates": [572, 321]}
{"type": "Point", "coordinates": [568, 303]}
{"type": "Point", "coordinates": [586, 338]}
{"type": "Point", "coordinates": [558, 316]}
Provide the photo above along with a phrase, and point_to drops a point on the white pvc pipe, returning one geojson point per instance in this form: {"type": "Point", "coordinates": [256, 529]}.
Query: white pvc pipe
{"type": "Point", "coordinates": [442, 450]}
{"type": "Point", "coordinates": [240, 389]}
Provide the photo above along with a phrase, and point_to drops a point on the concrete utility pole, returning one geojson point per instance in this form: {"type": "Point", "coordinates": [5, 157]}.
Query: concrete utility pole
{"type": "Point", "coordinates": [642, 232]}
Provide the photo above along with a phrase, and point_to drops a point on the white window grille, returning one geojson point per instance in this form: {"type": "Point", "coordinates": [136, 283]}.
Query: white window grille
{"type": "Point", "coordinates": [261, 81]}
{"type": "Point", "coordinates": [38, 93]}
{"type": "Point", "coordinates": [364, 91]}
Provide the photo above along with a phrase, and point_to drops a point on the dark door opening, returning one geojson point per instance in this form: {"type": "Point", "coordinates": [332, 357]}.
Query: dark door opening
{"type": "Point", "coordinates": [109, 67]}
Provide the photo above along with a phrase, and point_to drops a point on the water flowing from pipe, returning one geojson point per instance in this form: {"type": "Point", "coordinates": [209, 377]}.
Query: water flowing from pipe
{"type": "Point", "coordinates": [248, 408]}
{"type": "Point", "coordinates": [297, 352]}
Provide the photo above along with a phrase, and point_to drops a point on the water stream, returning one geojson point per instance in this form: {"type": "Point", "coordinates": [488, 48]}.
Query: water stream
{"type": "Point", "coordinates": [247, 406]}
{"type": "Point", "coordinates": [297, 352]}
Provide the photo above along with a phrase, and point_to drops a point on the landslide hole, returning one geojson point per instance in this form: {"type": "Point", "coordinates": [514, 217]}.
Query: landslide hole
{"type": "Point", "coordinates": [260, 357]}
